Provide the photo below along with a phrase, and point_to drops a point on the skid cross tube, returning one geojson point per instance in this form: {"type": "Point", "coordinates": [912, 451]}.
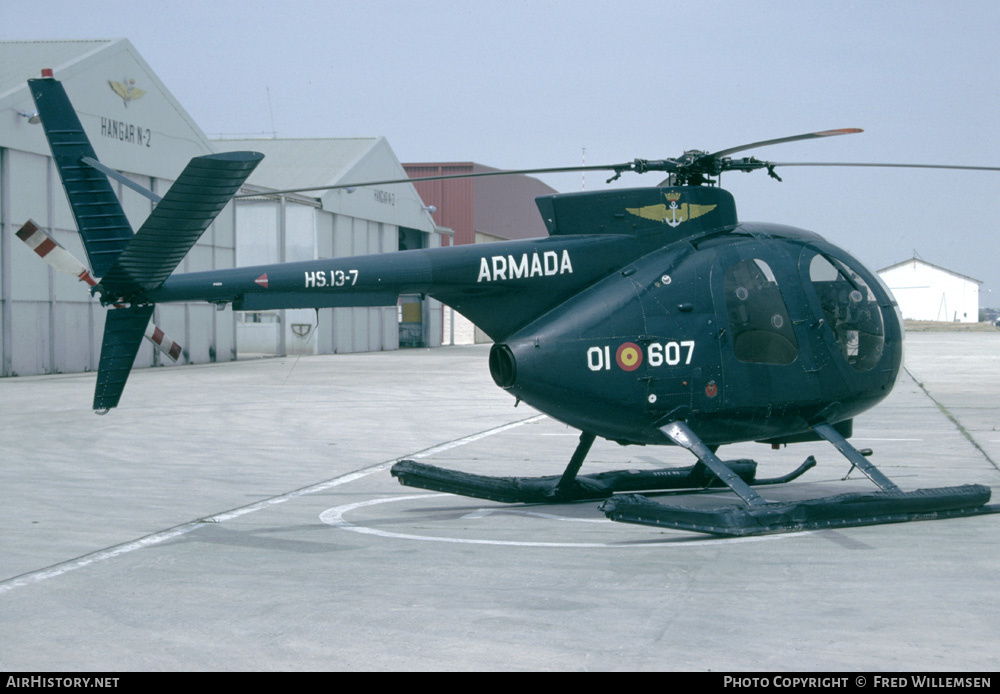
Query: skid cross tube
{"type": "Point", "coordinates": [852, 454]}
{"type": "Point", "coordinates": [569, 475]}
{"type": "Point", "coordinates": [681, 434]}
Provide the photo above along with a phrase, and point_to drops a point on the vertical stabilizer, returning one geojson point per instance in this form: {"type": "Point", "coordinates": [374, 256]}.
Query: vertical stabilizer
{"type": "Point", "coordinates": [99, 216]}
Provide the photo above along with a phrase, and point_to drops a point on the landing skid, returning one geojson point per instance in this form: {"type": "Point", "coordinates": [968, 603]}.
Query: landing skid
{"type": "Point", "coordinates": [755, 516]}
{"type": "Point", "coordinates": [571, 486]}
{"type": "Point", "coordinates": [841, 511]}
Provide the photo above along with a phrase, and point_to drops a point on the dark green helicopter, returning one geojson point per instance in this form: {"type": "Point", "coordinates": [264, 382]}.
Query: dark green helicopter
{"type": "Point", "coordinates": [648, 316]}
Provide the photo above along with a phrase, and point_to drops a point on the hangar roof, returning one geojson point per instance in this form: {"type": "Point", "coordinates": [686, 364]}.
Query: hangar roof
{"type": "Point", "coordinates": [23, 60]}
{"type": "Point", "coordinates": [304, 162]}
{"type": "Point", "coordinates": [313, 162]}
{"type": "Point", "coordinates": [916, 261]}
{"type": "Point", "coordinates": [156, 137]}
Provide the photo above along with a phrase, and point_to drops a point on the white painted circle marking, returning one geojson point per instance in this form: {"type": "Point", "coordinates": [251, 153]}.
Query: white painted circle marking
{"type": "Point", "coordinates": [335, 517]}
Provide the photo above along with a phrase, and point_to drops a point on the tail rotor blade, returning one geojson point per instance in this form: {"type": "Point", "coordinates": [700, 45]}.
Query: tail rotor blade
{"type": "Point", "coordinates": [52, 252]}
{"type": "Point", "coordinates": [164, 344]}
{"type": "Point", "coordinates": [61, 260]}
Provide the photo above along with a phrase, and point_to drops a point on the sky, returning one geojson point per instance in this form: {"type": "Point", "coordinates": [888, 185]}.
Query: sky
{"type": "Point", "coordinates": [533, 84]}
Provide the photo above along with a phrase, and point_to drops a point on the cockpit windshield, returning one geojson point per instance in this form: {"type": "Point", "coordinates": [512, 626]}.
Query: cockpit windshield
{"type": "Point", "coordinates": [851, 310]}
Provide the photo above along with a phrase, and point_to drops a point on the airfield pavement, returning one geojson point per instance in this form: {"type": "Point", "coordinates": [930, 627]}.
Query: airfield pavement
{"type": "Point", "coordinates": [241, 516]}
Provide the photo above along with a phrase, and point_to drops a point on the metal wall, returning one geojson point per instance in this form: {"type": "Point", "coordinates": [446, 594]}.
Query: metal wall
{"type": "Point", "coordinates": [288, 230]}
{"type": "Point", "coordinates": [50, 323]}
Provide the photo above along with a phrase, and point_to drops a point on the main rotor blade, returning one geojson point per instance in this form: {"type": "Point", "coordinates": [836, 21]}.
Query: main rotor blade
{"type": "Point", "coordinates": [893, 166]}
{"type": "Point", "coordinates": [340, 186]}
{"type": "Point", "coordinates": [793, 138]}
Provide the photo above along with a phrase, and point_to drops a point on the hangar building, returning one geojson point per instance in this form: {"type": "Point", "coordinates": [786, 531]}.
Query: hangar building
{"type": "Point", "coordinates": [48, 321]}
{"type": "Point", "coordinates": [335, 223]}
{"type": "Point", "coordinates": [928, 292]}
{"type": "Point", "coordinates": [479, 210]}
{"type": "Point", "coordinates": [50, 324]}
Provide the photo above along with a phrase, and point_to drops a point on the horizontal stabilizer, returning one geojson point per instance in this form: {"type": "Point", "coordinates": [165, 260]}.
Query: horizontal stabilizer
{"type": "Point", "coordinates": [124, 329]}
{"type": "Point", "coordinates": [178, 221]}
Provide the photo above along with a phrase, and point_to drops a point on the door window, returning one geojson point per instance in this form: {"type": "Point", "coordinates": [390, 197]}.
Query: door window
{"type": "Point", "coordinates": [758, 317]}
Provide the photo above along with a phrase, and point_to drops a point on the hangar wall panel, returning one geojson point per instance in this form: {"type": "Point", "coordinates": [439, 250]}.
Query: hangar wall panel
{"type": "Point", "coordinates": [325, 317]}
{"type": "Point", "coordinates": [30, 338]}
{"type": "Point", "coordinates": [300, 244]}
{"type": "Point", "coordinates": [202, 323]}
{"type": "Point", "coordinates": [342, 330]}
{"type": "Point", "coordinates": [258, 242]}
{"type": "Point", "coordinates": [300, 331]}
{"type": "Point", "coordinates": [29, 274]}
{"type": "Point", "coordinates": [257, 338]}
{"type": "Point", "coordinates": [375, 342]}
{"type": "Point", "coordinates": [324, 234]}
{"type": "Point", "coordinates": [28, 187]}
{"type": "Point", "coordinates": [390, 329]}
{"type": "Point", "coordinates": [73, 338]}
{"type": "Point", "coordinates": [225, 335]}
{"type": "Point", "coordinates": [300, 233]}
{"type": "Point", "coordinates": [359, 325]}
{"type": "Point", "coordinates": [98, 317]}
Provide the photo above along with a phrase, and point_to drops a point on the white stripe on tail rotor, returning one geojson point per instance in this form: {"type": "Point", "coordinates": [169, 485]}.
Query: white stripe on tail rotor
{"type": "Point", "coordinates": [61, 260]}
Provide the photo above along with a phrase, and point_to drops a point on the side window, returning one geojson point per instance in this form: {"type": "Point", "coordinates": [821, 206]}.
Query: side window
{"type": "Point", "coordinates": [758, 318]}
{"type": "Point", "coordinates": [851, 311]}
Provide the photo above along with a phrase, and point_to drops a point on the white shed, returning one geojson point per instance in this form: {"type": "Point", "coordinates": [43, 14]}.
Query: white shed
{"type": "Point", "coordinates": [928, 292]}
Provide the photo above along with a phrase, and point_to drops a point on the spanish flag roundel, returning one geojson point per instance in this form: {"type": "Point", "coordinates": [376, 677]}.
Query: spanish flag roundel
{"type": "Point", "coordinates": [629, 356]}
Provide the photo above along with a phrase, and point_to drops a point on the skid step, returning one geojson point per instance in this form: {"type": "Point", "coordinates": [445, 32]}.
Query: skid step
{"type": "Point", "coordinates": [839, 511]}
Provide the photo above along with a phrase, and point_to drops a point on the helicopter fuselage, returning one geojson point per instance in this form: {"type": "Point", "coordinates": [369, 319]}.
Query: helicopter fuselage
{"type": "Point", "coordinates": [752, 335]}
{"type": "Point", "coordinates": [643, 306]}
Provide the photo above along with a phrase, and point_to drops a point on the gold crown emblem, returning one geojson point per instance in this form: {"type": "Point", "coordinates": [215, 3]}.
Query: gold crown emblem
{"type": "Point", "coordinates": [673, 197]}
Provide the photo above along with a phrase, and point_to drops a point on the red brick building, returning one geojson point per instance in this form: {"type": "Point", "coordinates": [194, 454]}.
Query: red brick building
{"type": "Point", "coordinates": [480, 210]}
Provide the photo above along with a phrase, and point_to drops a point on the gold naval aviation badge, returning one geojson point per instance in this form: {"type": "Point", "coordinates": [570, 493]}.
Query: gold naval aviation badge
{"type": "Point", "coordinates": [673, 214]}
